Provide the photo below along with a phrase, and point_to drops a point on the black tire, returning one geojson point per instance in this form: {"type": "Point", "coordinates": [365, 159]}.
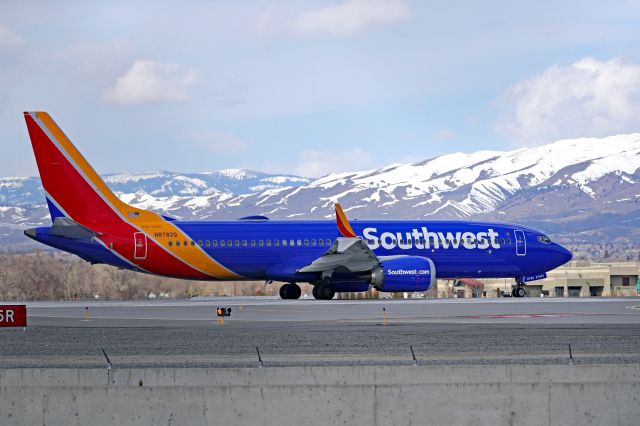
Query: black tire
{"type": "Point", "coordinates": [513, 292]}
{"type": "Point", "coordinates": [292, 291]}
{"type": "Point", "coordinates": [314, 292]}
{"type": "Point", "coordinates": [520, 292]}
{"type": "Point", "coordinates": [283, 291]}
{"type": "Point", "coordinates": [325, 292]}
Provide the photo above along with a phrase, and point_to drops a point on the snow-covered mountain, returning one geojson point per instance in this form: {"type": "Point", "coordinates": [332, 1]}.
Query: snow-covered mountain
{"type": "Point", "coordinates": [22, 202]}
{"type": "Point", "coordinates": [588, 186]}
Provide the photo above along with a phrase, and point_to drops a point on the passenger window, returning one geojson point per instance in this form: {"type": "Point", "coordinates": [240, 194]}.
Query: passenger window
{"type": "Point", "coordinates": [261, 243]}
{"type": "Point", "coordinates": [253, 243]}
{"type": "Point", "coordinates": [214, 243]}
{"type": "Point", "coordinates": [276, 243]}
{"type": "Point", "coordinates": [177, 243]}
{"type": "Point", "coordinates": [313, 242]}
{"type": "Point", "coordinates": [237, 243]}
{"type": "Point", "coordinates": [509, 241]}
{"type": "Point", "coordinates": [222, 243]}
{"type": "Point", "coordinates": [170, 243]}
{"type": "Point", "coordinates": [284, 243]}
{"type": "Point", "coordinates": [244, 243]}
{"type": "Point", "coordinates": [200, 243]}
{"type": "Point", "coordinates": [328, 242]}
{"type": "Point", "coordinates": [186, 243]}
{"type": "Point", "coordinates": [292, 243]}
{"type": "Point", "coordinates": [193, 243]}
{"type": "Point", "coordinates": [268, 243]}
{"type": "Point", "coordinates": [306, 242]}
{"type": "Point", "coordinates": [207, 243]}
{"type": "Point", "coordinates": [299, 242]}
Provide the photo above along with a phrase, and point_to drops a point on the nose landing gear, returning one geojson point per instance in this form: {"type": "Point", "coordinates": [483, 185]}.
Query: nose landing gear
{"type": "Point", "coordinates": [518, 289]}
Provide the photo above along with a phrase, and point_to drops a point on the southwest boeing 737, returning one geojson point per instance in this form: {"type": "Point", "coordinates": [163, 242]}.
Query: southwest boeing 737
{"type": "Point", "coordinates": [391, 256]}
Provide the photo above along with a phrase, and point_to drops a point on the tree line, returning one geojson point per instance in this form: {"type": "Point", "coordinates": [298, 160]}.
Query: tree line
{"type": "Point", "coordinates": [61, 276]}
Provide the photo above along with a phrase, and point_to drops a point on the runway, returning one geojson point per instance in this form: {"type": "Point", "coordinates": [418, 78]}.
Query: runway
{"type": "Point", "coordinates": [338, 332]}
{"type": "Point", "coordinates": [486, 311]}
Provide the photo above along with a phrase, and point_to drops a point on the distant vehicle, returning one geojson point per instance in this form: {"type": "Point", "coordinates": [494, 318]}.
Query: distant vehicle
{"type": "Point", "coordinates": [392, 256]}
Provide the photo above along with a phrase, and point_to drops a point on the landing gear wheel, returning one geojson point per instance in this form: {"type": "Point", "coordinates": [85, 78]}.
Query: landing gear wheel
{"type": "Point", "coordinates": [293, 291]}
{"type": "Point", "coordinates": [520, 292]}
{"type": "Point", "coordinates": [323, 291]}
{"type": "Point", "coordinates": [513, 292]}
{"type": "Point", "coordinates": [290, 291]}
{"type": "Point", "coordinates": [282, 291]}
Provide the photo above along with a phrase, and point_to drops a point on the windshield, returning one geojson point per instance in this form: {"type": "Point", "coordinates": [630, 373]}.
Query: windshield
{"type": "Point", "coordinates": [544, 239]}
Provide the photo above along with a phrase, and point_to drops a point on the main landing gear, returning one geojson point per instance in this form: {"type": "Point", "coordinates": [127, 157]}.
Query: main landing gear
{"type": "Point", "coordinates": [518, 289]}
{"type": "Point", "coordinates": [323, 291]}
{"type": "Point", "coordinates": [290, 291]}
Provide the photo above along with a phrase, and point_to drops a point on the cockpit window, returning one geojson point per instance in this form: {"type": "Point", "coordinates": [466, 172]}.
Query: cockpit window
{"type": "Point", "coordinates": [544, 239]}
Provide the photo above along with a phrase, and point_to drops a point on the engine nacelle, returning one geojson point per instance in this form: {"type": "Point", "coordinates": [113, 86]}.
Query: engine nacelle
{"type": "Point", "coordinates": [404, 273]}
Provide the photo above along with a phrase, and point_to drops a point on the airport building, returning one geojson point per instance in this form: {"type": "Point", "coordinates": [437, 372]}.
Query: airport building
{"type": "Point", "coordinates": [576, 279]}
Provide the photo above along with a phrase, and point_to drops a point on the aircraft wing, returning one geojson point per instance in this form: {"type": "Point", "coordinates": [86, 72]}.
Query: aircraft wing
{"type": "Point", "coordinates": [348, 252]}
{"type": "Point", "coordinates": [351, 254]}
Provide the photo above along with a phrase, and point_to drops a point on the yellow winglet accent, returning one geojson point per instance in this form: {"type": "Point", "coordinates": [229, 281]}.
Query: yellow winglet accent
{"type": "Point", "coordinates": [343, 223]}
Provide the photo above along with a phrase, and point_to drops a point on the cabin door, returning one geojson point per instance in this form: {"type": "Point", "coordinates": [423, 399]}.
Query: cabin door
{"type": "Point", "coordinates": [140, 245]}
{"type": "Point", "coordinates": [521, 243]}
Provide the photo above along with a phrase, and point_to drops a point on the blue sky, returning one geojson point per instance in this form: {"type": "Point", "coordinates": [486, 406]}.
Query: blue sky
{"type": "Point", "coordinates": [313, 87]}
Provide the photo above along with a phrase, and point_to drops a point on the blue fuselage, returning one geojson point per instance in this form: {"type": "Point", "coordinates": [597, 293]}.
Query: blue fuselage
{"type": "Point", "coordinates": [275, 250]}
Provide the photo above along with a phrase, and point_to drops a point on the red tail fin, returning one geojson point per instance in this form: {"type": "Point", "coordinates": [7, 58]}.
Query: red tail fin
{"type": "Point", "coordinates": [72, 187]}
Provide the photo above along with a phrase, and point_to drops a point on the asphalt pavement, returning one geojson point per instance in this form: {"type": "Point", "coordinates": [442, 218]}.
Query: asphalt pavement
{"type": "Point", "coordinates": [337, 332]}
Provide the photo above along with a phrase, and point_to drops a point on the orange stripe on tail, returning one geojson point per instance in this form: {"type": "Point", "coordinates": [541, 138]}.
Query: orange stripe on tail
{"type": "Point", "coordinates": [343, 223]}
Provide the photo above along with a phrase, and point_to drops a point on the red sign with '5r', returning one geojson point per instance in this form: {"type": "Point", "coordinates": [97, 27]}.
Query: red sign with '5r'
{"type": "Point", "coordinates": [13, 316]}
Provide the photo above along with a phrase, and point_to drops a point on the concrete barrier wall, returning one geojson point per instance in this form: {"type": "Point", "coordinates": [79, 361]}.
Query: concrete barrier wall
{"type": "Point", "coordinates": [380, 395]}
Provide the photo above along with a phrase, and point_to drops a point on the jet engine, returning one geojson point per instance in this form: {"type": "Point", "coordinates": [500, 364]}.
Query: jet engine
{"type": "Point", "coordinates": [404, 273]}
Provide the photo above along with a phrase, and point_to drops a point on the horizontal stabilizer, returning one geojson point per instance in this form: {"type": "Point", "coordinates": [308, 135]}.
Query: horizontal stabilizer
{"type": "Point", "coordinates": [67, 228]}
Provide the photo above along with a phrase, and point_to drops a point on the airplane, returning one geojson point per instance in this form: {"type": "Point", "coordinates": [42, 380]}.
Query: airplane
{"type": "Point", "coordinates": [90, 221]}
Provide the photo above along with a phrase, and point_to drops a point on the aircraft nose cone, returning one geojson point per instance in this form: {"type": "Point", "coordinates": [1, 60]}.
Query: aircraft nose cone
{"type": "Point", "coordinates": [564, 255]}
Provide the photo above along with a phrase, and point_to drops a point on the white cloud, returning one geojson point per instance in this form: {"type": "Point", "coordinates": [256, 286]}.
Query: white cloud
{"type": "Point", "coordinates": [9, 39]}
{"type": "Point", "coordinates": [314, 163]}
{"type": "Point", "coordinates": [339, 20]}
{"type": "Point", "coordinates": [586, 98]}
{"type": "Point", "coordinates": [149, 81]}
{"type": "Point", "coordinates": [351, 16]}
